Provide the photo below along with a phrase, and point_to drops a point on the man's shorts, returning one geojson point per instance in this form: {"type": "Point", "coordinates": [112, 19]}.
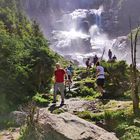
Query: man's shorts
{"type": "Point", "coordinates": [100, 82]}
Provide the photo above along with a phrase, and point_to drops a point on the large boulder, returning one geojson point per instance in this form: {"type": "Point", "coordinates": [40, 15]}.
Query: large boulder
{"type": "Point", "coordinates": [66, 126]}
{"type": "Point", "coordinates": [18, 117]}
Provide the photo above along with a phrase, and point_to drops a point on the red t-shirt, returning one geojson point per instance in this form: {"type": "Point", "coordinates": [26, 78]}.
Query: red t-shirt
{"type": "Point", "coordinates": [59, 75]}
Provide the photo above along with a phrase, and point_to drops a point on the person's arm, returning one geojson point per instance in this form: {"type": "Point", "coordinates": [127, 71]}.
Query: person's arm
{"type": "Point", "coordinates": [65, 74]}
{"type": "Point", "coordinates": [97, 71]}
{"type": "Point", "coordinates": [54, 77]}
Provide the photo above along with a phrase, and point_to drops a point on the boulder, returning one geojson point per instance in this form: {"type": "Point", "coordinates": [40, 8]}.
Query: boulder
{"type": "Point", "coordinates": [66, 126]}
{"type": "Point", "coordinates": [18, 117]}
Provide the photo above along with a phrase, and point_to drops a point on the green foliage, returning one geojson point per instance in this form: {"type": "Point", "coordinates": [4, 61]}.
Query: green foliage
{"type": "Point", "coordinates": [3, 104]}
{"type": "Point", "coordinates": [131, 133]}
{"type": "Point", "coordinates": [40, 101]}
{"type": "Point", "coordinates": [120, 129]}
{"type": "Point", "coordinates": [111, 115]}
{"type": "Point", "coordinates": [91, 116]}
{"type": "Point", "coordinates": [26, 62]}
{"type": "Point", "coordinates": [31, 130]}
{"type": "Point", "coordinates": [84, 87]}
{"type": "Point", "coordinates": [117, 78]}
{"type": "Point", "coordinates": [30, 133]}
{"type": "Point", "coordinates": [6, 123]}
{"type": "Point", "coordinates": [58, 111]}
{"type": "Point", "coordinates": [122, 122]}
{"type": "Point", "coordinates": [85, 91]}
{"type": "Point", "coordinates": [85, 115]}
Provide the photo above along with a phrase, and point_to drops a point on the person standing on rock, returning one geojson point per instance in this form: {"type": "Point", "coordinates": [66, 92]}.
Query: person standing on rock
{"type": "Point", "coordinates": [110, 54]}
{"type": "Point", "coordinates": [95, 60]}
{"type": "Point", "coordinates": [88, 64]}
{"type": "Point", "coordinates": [100, 78]}
{"type": "Point", "coordinates": [114, 58]}
{"type": "Point", "coordinates": [59, 82]}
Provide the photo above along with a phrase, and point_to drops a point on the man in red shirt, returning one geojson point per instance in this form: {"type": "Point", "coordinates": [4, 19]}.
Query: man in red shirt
{"type": "Point", "coordinates": [59, 83]}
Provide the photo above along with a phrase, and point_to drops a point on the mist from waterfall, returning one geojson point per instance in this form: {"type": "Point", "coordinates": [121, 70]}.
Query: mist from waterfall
{"type": "Point", "coordinates": [84, 37]}
{"type": "Point", "coordinates": [74, 29]}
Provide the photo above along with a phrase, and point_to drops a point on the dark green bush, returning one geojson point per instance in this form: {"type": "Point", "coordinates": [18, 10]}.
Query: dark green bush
{"type": "Point", "coordinates": [43, 102]}
{"type": "Point", "coordinates": [117, 78]}
{"type": "Point", "coordinates": [131, 133]}
{"type": "Point", "coordinates": [85, 91]}
{"type": "Point", "coordinates": [26, 62]}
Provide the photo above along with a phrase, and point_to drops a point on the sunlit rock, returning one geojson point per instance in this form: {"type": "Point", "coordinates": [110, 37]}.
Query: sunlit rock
{"type": "Point", "coordinates": [69, 127]}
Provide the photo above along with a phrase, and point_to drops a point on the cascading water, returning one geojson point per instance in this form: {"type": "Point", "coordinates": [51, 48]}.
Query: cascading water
{"type": "Point", "coordinates": [74, 29]}
{"type": "Point", "coordinates": [98, 16]}
{"type": "Point", "coordinates": [83, 36]}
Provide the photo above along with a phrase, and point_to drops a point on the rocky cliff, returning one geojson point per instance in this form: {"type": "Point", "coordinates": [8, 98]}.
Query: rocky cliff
{"type": "Point", "coordinates": [114, 18]}
{"type": "Point", "coordinates": [126, 9]}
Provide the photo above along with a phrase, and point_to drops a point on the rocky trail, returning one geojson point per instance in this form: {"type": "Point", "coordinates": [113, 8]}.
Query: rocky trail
{"type": "Point", "coordinates": [56, 118]}
{"type": "Point", "coordinates": [65, 117]}
{"type": "Point", "coordinates": [12, 134]}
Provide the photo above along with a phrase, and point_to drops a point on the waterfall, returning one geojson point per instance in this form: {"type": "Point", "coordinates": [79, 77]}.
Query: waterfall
{"type": "Point", "coordinates": [74, 29]}
{"type": "Point", "coordinates": [82, 35]}
{"type": "Point", "coordinates": [99, 16]}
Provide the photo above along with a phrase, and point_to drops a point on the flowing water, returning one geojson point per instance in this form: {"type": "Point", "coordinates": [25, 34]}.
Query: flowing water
{"type": "Point", "coordinates": [74, 29]}
{"type": "Point", "coordinates": [82, 36]}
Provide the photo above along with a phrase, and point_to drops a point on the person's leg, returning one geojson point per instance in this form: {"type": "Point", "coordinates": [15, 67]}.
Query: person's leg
{"type": "Point", "coordinates": [55, 92]}
{"type": "Point", "coordinates": [62, 88]}
{"type": "Point", "coordinates": [100, 89]}
{"type": "Point", "coordinates": [100, 83]}
{"type": "Point", "coordinates": [69, 77]}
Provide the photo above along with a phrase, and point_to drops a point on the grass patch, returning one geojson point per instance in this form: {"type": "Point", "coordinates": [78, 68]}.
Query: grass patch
{"type": "Point", "coordinates": [131, 133]}
{"type": "Point", "coordinates": [58, 111]}
{"type": "Point", "coordinates": [87, 115]}
{"type": "Point", "coordinates": [121, 121]}
{"type": "Point", "coordinates": [42, 100]}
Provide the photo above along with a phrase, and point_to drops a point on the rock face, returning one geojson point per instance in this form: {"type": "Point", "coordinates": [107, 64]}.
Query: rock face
{"type": "Point", "coordinates": [69, 127]}
{"type": "Point", "coordinates": [126, 9]}
{"type": "Point", "coordinates": [18, 117]}
{"type": "Point", "coordinates": [115, 19]}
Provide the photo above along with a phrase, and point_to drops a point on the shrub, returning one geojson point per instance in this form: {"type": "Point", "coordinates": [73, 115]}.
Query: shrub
{"type": "Point", "coordinates": [43, 102]}
{"type": "Point", "coordinates": [131, 133]}
{"type": "Point", "coordinates": [85, 91]}
{"type": "Point", "coordinates": [117, 80]}
{"type": "Point", "coordinates": [85, 115]}
{"type": "Point", "coordinates": [31, 130]}
{"type": "Point", "coordinates": [25, 58]}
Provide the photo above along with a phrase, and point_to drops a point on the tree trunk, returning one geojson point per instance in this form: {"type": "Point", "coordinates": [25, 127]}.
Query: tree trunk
{"type": "Point", "coordinates": [135, 98]}
{"type": "Point", "coordinates": [134, 75]}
